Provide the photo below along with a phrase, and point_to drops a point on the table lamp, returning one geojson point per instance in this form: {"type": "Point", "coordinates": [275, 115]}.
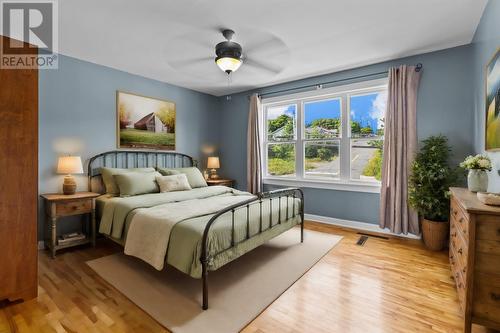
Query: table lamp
{"type": "Point", "coordinates": [213, 164]}
{"type": "Point", "coordinates": [69, 165]}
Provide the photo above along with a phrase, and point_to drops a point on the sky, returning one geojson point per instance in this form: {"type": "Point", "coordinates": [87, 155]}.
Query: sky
{"type": "Point", "coordinates": [365, 109]}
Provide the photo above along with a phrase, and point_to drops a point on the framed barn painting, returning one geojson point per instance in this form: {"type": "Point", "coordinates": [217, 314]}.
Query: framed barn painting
{"type": "Point", "coordinates": [493, 103]}
{"type": "Point", "coordinates": [145, 122]}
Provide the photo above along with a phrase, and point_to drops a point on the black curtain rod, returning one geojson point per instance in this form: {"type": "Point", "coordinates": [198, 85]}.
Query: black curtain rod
{"type": "Point", "coordinates": [418, 67]}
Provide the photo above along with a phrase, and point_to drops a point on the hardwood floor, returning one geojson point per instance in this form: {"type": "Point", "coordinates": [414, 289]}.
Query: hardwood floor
{"type": "Point", "coordinates": [390, 285]}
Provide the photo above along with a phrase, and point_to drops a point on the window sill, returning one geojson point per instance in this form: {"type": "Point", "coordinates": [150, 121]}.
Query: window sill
{"type": "Point", "coordinates": [352, 186]}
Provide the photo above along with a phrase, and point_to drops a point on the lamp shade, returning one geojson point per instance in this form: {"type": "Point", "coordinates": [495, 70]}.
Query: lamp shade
{"type": "Point", "coordinates": [69, 165]}
{"type": "Point", "coordinates": [213, 163]}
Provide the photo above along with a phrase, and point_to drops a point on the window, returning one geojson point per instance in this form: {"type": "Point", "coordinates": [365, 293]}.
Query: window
{"type": "Point", "coordinates": [330, 135]}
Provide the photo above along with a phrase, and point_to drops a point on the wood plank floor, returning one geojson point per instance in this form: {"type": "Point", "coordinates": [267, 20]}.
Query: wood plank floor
{"type": "Point", "coordinates": [392, 285]}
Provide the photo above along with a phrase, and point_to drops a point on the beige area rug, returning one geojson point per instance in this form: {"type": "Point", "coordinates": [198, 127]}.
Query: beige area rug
{"type": "Point", "coordinates": [238, 291]}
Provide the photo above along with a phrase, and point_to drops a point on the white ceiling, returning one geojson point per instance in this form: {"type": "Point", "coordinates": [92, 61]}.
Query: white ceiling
{"type": "Point", "coordinates": [304, 38]}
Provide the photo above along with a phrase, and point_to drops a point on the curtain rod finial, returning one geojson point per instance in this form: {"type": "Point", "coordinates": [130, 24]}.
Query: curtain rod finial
{"type": "Point", "coordinates": [419, 67]}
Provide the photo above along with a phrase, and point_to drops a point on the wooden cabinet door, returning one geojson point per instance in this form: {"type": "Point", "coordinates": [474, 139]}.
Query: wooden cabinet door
{"type": "Point", "coordinates": [18, 182]}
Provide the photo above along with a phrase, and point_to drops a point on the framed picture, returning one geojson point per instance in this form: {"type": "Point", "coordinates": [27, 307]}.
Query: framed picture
{"type": "Point", "coordinates": [492, 128]}
{"type": "Point", "coordinates": [145, 122]}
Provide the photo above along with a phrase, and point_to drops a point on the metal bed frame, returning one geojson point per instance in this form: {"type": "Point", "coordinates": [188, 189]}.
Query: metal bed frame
{"type": "Point", "coordinates": [158, 159]}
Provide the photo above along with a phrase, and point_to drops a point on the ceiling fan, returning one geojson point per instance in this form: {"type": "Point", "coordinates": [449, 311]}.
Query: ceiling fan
{"type": "Point", "coordinates": [230, 55]}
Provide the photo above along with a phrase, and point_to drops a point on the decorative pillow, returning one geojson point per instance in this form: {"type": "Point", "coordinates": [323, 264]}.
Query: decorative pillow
{"type": "Point", "coordinates": [169, 172]}
{"type": "Point", "coordinates": [193, 174]}
{"type": "Point", "coordinates": [134, 183]}
{"type": "Point", "coordinates": [173, 183]}
{"type": "Point", "coordinates": [109, 181]}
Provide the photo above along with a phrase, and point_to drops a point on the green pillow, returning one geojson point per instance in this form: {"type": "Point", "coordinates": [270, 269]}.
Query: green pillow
{"type": "Point", "coordinates": [193, 174]}
{"type": "Point", "coordinates": [169, 172]}
{"type": "Point", "coordinates": [135, 183]}
{"type": "Point", "coordinates": [109, 181]}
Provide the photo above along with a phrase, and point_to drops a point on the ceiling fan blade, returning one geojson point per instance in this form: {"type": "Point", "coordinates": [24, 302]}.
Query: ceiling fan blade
{"type": "Point", "coordinates": [272, 43]}
{"type": "Point", "coordinates": [260, 65]}
{"type": "Point", "coordinates": [186, 62]}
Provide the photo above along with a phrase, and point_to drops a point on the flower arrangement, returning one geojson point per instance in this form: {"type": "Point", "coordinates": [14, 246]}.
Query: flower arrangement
{"type": "Point", "coordinates": [478, 162]}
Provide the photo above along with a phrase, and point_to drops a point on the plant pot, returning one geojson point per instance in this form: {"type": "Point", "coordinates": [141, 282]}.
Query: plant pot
{"type": "Point", "coordinates": [477, 180]}
{"type": "Point", "coordinates": [435, 234]}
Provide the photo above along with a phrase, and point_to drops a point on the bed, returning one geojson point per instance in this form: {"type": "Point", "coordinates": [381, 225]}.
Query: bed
{"type": "Point", "coordinates": [194, 231]}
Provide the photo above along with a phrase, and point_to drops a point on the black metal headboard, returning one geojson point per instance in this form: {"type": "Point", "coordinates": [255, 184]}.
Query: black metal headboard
{"type": "Point", "coordinates": [133, 159]}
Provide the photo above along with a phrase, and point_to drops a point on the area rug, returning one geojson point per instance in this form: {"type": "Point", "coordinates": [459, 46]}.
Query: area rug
{"type": "Point", "coordinates": [238, 292]}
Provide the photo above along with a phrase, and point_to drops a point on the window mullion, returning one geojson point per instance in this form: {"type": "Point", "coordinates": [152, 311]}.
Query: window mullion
{"type": "Point", "coordinates": [344, 141]}
{"type": "Point", "coordinates": [299, 148]}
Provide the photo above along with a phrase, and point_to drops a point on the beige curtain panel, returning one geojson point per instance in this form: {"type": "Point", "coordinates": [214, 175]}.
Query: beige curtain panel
{"type": "Point", "coordinates": [254, 173]}
{"type": "Point", "coordinates": [400, 146]}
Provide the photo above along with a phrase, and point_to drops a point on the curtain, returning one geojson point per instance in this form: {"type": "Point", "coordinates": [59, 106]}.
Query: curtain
{"type": "Point", "coordinates": [400, 146]}
{"type": "Point", "coordinates": [254, 176]}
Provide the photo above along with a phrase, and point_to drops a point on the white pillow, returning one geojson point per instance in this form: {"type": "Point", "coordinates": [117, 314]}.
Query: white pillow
{"type": "Point", "coordinates": [173, 183]}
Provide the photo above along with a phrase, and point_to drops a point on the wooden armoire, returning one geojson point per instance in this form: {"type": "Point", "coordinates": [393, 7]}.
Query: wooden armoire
{"type": "Point", "coordinates": [18, 182]}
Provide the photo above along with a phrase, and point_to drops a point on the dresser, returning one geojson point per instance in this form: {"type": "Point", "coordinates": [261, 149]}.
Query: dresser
{"type": "Point", "coordinates": [475, 258]}
{"type": "Point", "coordinates": [18, 182]}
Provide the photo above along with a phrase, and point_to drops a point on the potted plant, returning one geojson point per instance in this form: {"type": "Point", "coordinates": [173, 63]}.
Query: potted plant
{"type": "Point", "coordinates": [477, 179]}
{"type": "Point", "coordinates": [428, 190]}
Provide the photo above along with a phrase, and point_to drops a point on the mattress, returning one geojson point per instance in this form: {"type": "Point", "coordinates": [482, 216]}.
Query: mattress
{"type": "Point", "coordinates": [184, 248]}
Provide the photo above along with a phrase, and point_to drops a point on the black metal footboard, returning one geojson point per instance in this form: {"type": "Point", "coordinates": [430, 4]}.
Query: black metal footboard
{"type": "Point", "coordinates": [282, 193]}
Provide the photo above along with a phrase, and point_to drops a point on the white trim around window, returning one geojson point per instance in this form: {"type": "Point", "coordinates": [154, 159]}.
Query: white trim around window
{"type": "Point", "coordinates": [340, 181]}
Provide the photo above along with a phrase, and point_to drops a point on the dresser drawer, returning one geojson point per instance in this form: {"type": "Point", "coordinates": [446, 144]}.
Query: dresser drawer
{"type": "Point", "coordinates": [488, 227]}
{"type": "Point", "coordinates": [487, 263]}
{"type": "Point", "coordinates": [459, 278]}
{"type": "Point", "coordinates": [486, 302]}
{"type": "Point", "coordinates": [459, 250]}
{"type": "Point", "coordinates": [459, 218]}
{"type": "Point", "coordinates": [73, 207]}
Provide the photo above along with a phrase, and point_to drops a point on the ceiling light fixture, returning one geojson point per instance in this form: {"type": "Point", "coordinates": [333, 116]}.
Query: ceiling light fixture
{"type": "Point", "coordinates": [228, 53]}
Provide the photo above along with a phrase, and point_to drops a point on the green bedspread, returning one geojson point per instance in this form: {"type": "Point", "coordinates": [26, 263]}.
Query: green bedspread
{"type": "Point", "coordinates": [184, 248]}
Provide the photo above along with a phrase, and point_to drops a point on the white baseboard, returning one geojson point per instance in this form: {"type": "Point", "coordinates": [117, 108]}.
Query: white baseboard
{"type": "Point", "coordinates": [355, 225]}
{"type": "Point", "coordinates": [41, 245]}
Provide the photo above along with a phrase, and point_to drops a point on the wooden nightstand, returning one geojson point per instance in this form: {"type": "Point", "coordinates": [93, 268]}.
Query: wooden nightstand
{"type": "Point", "coordinates": [59, 205]}
{"type": "Point", "coordinates": [220, 181]}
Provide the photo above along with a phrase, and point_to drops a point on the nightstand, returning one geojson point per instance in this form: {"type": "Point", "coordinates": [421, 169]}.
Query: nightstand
{"type": "Point", "coordinates": [221, 182]}
{"type": "Point", "coordinates": [60, 205]}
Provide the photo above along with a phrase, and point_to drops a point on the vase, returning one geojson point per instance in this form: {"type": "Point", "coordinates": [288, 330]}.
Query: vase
{"type": "Point", "coordinates": [477, 180]}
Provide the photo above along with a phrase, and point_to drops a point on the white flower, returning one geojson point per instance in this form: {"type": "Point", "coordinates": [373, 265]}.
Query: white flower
{"type": "Point", "coordinates": [484, 163]}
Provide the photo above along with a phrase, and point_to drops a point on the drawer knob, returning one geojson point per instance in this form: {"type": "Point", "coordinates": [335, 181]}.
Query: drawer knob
{"type": "Point", "coordinates": [495, 297]}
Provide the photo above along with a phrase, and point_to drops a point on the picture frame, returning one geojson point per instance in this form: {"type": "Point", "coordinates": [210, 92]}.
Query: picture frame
{"type": "Point", "coordinates": [492, 103]}
{"type": "Point", "coordinates": [144, 122]}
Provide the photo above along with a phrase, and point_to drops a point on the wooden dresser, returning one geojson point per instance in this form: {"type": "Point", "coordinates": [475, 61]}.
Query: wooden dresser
{"type": "Point", "coordinates": [475, 258]}
{"type": "Point", "coordinates": [18, 182]}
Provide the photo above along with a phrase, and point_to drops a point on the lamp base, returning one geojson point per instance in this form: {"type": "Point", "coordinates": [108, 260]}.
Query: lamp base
{"type": "Point", "coordinates": [213, 174]}
{"type": "Point", "coordinates": [69, 185]}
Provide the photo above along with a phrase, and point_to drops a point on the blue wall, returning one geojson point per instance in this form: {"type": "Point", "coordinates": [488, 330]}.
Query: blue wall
{"type": "Point", "coordinates": [486, 41]}
{"type": "Point", "coordinates": [444, 106]}
{"type": "Point", "coordinates": [77, 115]}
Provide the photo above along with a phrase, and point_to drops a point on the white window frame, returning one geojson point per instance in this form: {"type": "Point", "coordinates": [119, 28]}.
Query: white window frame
{"type": "Point", "coordinates": [344, 182]}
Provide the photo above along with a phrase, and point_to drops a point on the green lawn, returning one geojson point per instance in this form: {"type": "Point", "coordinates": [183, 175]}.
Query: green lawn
{"type": "Point", "coordinates": [281, 167]}
{"type": "Point", "coordinates": [134, 137]}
